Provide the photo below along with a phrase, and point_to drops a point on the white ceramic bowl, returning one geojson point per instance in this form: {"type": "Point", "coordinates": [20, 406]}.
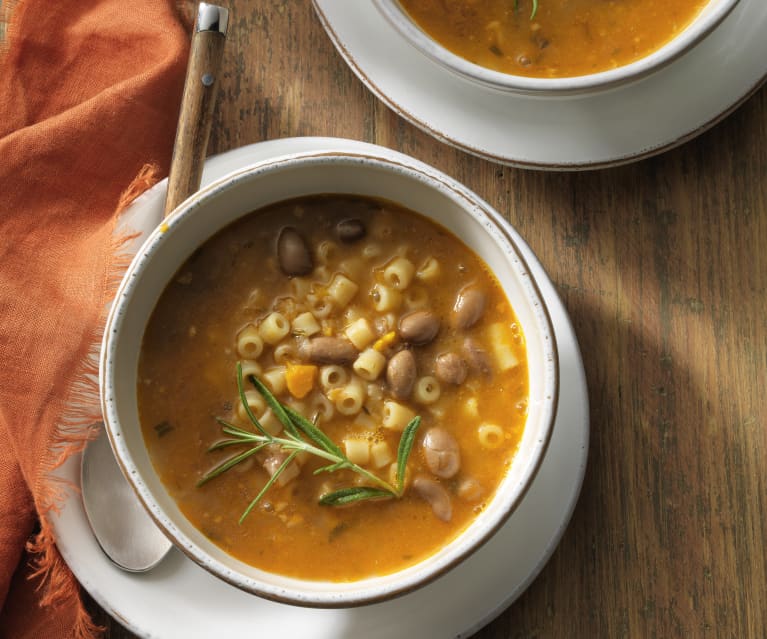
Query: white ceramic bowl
{"type": "Point", "coordinates": [711, 15]}
{"type": "Point", "coordinates": [412, 184]}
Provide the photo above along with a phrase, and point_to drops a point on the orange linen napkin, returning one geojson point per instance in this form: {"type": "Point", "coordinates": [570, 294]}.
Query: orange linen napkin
{"type": "Point", "coordinates": [89, 94]}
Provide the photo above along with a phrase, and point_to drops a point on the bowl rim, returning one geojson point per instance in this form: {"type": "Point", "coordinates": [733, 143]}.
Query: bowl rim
{"type": "Point", "coordinates": [691, 35]}
{"type": "Point", "coordinates": [435, 180]}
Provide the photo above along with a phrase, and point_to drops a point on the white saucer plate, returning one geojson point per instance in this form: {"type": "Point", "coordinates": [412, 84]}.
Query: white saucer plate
{"type": "Point", "coordinates": [595, 130]}
{"type": "Point", "coordinates": [180, 599]}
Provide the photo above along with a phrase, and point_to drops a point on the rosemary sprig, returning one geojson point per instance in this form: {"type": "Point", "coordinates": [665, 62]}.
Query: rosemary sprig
{"type": "Point", "coordinates": [301, 435]}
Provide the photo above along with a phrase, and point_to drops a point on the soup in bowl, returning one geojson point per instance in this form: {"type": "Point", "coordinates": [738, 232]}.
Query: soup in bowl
{"type": "Point", "coordinates": [330, 378]}
{"type": "Point", "coordinates": [554, 46]}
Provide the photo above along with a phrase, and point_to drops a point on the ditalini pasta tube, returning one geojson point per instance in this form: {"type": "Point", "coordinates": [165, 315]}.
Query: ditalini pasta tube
{"type": "Point", "coordinates": [396, 416]}
{"type": "Point", "coordinates": [249, 342]}
{"type": "Point", "coordinates": [273, 328]}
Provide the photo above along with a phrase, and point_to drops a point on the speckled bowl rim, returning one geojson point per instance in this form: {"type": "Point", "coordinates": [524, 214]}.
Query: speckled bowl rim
{"type": "Point", "coordinates": [703, 24]}
{"type": "Point", "coordinates": [366, 591]}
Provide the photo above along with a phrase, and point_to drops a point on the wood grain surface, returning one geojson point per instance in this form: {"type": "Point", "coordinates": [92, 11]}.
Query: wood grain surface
{"type": "Point", "coordinates": [663, 269]}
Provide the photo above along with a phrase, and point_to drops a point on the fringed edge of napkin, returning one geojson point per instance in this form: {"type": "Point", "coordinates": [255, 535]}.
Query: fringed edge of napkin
{"type": "Point", "coordinates": [58, 585]}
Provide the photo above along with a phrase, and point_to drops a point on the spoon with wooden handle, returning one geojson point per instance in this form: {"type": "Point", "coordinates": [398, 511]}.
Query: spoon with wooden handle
{"type": "Point", "coordinates": [124, 530]}
{"type": "Point", "coordinates": [196, 115]}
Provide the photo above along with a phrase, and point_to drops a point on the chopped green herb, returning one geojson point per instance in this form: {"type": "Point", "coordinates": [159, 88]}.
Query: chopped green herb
{"type": "Point", "coordinates": [163, 428]}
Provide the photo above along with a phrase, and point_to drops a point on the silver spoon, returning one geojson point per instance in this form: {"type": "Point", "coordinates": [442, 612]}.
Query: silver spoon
{"type": "Point", "coordinates": [124, 530]}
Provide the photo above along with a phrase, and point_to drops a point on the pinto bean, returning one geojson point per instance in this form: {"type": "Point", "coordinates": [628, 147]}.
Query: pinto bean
{"type": "Point", "coordinates": [350, 230]}
{"type": "Point", "coordinates": [468, 308]}
{"type": "Point", "coordinates": [441, 452]}
{"type": "Point", "coordinates": [418, 327]}
{"type": "Point", "coordinates": [469, 489]}
{"type": "Point", "coordinates": [292, 253]}
{"type": "Point", "coordinates": [328, 350]}
{"type": "Point", "coordinates": [435, 494]}
{"type": "Point", "coordinates": [400, 374]}
{"type": "Point", "coordinates": [450, 368]}
{"type": "Point", "coordinates": [476, 356]}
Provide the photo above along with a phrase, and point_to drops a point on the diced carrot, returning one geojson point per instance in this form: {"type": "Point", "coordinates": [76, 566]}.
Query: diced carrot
{"type": "Point", "coordinates": [385, 341]}
{"type": "Point", "coordinates": [300, 379]}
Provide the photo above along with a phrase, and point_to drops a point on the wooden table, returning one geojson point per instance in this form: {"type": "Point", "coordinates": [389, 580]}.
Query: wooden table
{"type": "Point", "coordinates": [663, 269]}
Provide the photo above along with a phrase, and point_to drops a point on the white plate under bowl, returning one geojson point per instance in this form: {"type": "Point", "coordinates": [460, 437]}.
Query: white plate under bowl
{"type": "Point", "coordinates": [604, 128]}
{"type": "Point", "coordinates": [186, 601]}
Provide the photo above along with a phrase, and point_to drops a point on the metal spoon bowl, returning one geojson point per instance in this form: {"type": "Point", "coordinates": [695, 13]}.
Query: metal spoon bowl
{"type": "Point", "coordinates": [124, 530]}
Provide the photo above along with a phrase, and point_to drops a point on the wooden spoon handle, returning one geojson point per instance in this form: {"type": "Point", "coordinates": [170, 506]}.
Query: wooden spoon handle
{"type": "Point", "coordinates": [196, 115]}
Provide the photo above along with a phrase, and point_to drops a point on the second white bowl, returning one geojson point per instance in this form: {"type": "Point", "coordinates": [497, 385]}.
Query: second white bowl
{"type": "Point", "coordinates": [708, 19]}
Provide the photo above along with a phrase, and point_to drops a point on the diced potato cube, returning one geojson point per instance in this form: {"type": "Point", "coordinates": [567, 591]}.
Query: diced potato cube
{"type": "Point", "coordinates": [357, 450]}
{"type": "Point", "coordinates": [504, 354]}
{"type": "Point", "coordinates": [380, 454]}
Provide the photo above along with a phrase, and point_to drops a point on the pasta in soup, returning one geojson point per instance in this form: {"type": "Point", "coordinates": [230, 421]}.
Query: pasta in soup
{"type": "Point", "coordinates": [332, 388]}
{"type": "Point", "coordinates": [552, 38]}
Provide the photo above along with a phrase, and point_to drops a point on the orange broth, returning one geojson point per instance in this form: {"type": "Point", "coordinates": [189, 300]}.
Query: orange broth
{"type": "Point", "coordinates": [565, 38]}
{"type": "Point", "coordinates": [187, 379]}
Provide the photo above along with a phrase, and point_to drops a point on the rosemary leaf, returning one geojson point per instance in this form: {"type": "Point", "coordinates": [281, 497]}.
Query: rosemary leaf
{"type": "Point", "coordinates": [228, 426]}
{"type": "Point", "coordinates": [240, 433]}
{"type": "Point", "coordinates": [225, 443]}
{"type": "Point", "coordinates": [403, 452]}
{"type": "Point", "coordinates": [331, 468]}
{"type": "Point", "coordinates": [276, 406]}
{"type": "Point", "coordinates": [268, 485]}
{"type": "Point", "coordinates": [245, 437]}
{"type": "Point", "coordinates": [350, 495]}
{"type": "Point", "coordinates": [312, 432]}
{"type": "Point", "coordinates": [244, 401]}
{"type": "Point", "coordinates": [229, 463]}
{"type": "Point", "coordinates": [236, 431]}
{"type": "Point", "coordinates": [534, 10]}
